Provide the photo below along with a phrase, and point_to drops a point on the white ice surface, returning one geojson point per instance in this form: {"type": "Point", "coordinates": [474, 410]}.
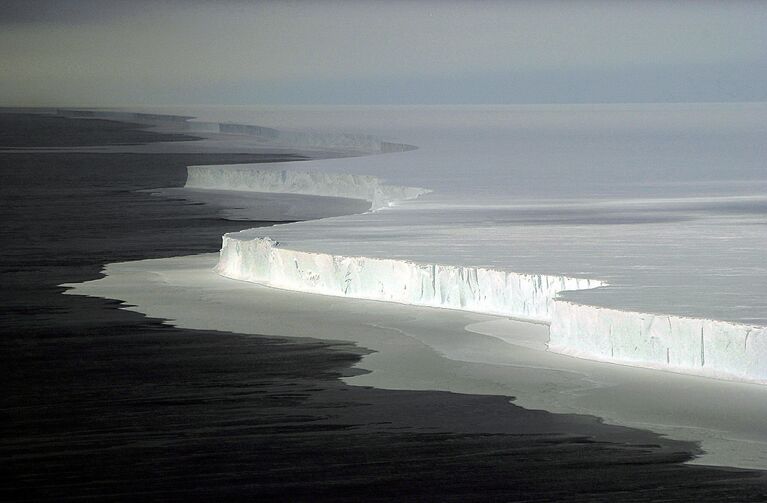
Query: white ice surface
{"type": "Point", "coordinates": [666, 204]}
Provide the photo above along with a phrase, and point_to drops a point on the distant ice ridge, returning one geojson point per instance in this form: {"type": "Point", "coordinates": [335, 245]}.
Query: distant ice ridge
{"type": "Point", "coordinates": [695, 346]}
{"type": "Point", "coordinates": [304, 139]}
{"type": "Point", "coordinates": [262, 260]}
{"type": "Point", "coordinates": [245, 177]}
{"type": "Point", "coordinates": [351, 142]}
{"type": "Point", "coordinates": [310, 139]}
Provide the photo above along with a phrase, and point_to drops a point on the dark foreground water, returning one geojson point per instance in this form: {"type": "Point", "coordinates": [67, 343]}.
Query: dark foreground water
{"type": "Point", "coordinates": [99, 403]}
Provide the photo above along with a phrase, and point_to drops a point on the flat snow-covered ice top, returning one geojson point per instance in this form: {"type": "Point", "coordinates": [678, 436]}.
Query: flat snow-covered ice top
{"type": "Point", "coordinates": [666, 203]}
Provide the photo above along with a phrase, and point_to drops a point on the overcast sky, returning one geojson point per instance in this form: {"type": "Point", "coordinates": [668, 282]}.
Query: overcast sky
{"type": "Point", "coordinates": [113, 52]}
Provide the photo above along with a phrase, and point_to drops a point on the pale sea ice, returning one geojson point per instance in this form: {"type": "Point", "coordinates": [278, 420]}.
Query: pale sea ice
{"type": "Point", "coordinates": [420, 348]}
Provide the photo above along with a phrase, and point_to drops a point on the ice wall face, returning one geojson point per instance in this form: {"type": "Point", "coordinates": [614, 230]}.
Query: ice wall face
{"type": "Point", "coordinates": [261, 260]}
{"type": "Point", "coordinates": [695, 346]}
{"type": "Point", "coordinates": [316, 183]}
{"type": "Point", "coordinates": [691, 345]}
{"type": "Point", "coordinates": [658, 199]}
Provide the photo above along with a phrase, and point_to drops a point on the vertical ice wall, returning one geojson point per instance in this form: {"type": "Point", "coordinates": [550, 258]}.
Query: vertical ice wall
{"type": "Point", "coordinates": [317, 183]}
{"type": "Point", "coordinates": [477, 289]}
{"type": "Point", "coordinates": [696, 346]}
{"type": "Point", "coordinates": [690, 345]}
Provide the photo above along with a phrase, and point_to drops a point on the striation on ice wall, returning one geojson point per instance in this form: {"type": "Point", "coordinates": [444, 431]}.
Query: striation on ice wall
{"type": "Point", "coordinates": [702, 347]}
{"type": "Point", "coordinates": [262, 260]}
{"type": "Point", "coordinates": [244, 177]}
{"type": "Point", "coordinates": [698, 346]}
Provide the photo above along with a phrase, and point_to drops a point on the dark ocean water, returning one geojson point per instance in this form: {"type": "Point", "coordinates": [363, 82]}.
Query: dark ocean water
{"type": "Point", "coordinates": [100, 403]}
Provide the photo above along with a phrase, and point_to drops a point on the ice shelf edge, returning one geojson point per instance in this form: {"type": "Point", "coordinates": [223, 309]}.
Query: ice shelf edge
{"type": "Point", "coordinates": [247, 177]}
{"type": "Point", "coordinates": [702, 347]}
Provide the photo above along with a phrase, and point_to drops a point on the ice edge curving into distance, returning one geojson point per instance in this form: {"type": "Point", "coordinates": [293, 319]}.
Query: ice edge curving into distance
{"type": "Point", "coordinates": [348, 142]}
{"type": "Point", "coordinates": [698, 346]}
{"type": "Point", "coordinates": [702, 347]}
{"type": "Point", "coordinates": [709, 348]}
{"type": "Point", "coordinates": [316, 183]}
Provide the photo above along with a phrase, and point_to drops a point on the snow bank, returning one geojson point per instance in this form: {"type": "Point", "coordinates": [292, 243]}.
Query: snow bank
{"type": "Point", "coordinates": [244, 177]}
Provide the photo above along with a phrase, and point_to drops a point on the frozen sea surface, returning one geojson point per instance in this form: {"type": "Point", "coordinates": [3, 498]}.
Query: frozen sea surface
{"type": "Point", "coordinates": [416, 348]}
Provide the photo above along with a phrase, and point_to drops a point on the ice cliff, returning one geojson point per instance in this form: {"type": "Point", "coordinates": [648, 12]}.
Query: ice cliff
{"type": "Point", "coordinates": [317, 183]}
{"type": "Point", "coordinates": [476, 289]}
{"type": "Point", "coordinates": [696, 346]}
